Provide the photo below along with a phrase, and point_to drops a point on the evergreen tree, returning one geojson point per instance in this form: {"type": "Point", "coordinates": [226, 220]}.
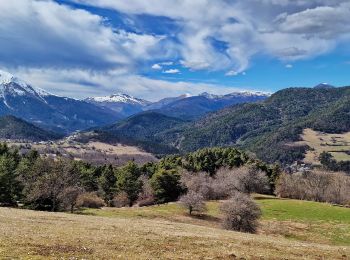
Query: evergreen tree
{"type": "Point", "coordinates": [128, 181]}
{"type": "Point", "coordinates": [166, 185]}
{"type": "Point", "coordinates": [107, 183]}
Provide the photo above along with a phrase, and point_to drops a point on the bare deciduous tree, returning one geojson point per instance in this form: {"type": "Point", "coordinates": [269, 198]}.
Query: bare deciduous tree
{"type": "Point", "coordinates": [322, 186]}
{"type": "Point", "coordinates": [69, 197]}
{"type": "Point", "coordinates": [199, 182]}
{"type": "Point", "coordinates": [146, 195]}
{"type": "Point", "coordinates": [240, 213]}
{"type": "Point", "coordinates": [193, 202]}
{"type": "Point", "coordinates": [243, 179]}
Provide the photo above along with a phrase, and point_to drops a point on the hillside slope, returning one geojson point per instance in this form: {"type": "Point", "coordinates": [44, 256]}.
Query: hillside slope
{"type": "Point", "coordinates": [18, 129]}
{"type": "Point", "coordinates": [194, 107]}
{"type": "Point", "coordinates": [267, 128]}
{"type": "Point", "coordinates": [39, 235]}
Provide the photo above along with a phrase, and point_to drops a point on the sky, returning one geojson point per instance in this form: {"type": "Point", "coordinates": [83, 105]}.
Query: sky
{"type": "Point", "coordinates": [156, 48]}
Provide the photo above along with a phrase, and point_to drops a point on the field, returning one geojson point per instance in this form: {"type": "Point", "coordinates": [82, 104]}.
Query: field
{"type": "Point", "coordinates": [289, 230]}
{"type": "Point", "coordinates": [93, 151]}
{"type": "Point", "coordinates": [337, 144]}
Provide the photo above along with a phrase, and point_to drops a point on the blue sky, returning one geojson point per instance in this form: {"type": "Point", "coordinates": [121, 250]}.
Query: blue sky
{"type": "Point", "coordinates": [154, 49]}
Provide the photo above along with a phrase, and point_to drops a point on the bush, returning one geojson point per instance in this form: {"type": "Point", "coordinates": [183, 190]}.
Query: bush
{"type": "Point", "coordinates": [90, 200]}
{"type": "Point", "coordinates": [241, 213]}
{"type": "Point", "coordinates": [121, 200]}
{"type": "Point", "coordinates": [193, 202]}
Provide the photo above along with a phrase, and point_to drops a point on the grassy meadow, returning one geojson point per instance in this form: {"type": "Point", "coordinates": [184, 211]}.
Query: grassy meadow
{"type": "Point", "coordinates": [289, 229]}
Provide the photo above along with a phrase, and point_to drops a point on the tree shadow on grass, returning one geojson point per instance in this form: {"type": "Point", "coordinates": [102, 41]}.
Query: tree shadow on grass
{"type": "Point", "coordinates": [203, 217]}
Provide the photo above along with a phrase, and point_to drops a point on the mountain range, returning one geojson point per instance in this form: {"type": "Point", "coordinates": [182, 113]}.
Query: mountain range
{"type": "Point", "coordinates": [66, 115]}
{"type": "Point", "coordinates": [263, 124]}
{"type": "Point", "coordinates": [266, 128]}
{"type": "Point", "coordinates": [186, 107]}
{"type": "Point", "coordinates": [58, 114]}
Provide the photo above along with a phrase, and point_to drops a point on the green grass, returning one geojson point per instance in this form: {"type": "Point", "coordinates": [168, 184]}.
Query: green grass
{"type": "Point", "coordinates": [319, 222]}
{"type": "Point", "coordinates": [297, 210]}
{"type": "Point", "coordinates": [293, 219]}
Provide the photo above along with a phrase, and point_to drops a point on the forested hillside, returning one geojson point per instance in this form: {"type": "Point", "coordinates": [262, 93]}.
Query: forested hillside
{"type": "Point", "coordinates": [266, 128]}
{"type": "Point", "coordinates": [18, 129]}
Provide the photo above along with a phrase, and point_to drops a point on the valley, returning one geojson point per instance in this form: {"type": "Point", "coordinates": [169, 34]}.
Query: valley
{"type": "Point", "coordinates": [94, 152]}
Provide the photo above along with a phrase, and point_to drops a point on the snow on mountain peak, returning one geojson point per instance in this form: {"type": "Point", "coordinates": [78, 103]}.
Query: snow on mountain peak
{"type": "Point", "coordinates": [119, 98]}
{"type": "Point", "coordinates": [7, 78]}
{"type": "Point", "coordinates": [18, 87]}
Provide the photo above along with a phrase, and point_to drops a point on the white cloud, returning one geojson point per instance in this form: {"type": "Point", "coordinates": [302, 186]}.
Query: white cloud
{"type": "Point", "coordinates": [59, 46]}
{"type": "Point", "coordinates": [156, 67]}
{"type": "Point", "coordinates": [289, 66]}
{"type": "Point", "coordinates": [46, 34]}
{"type": "Point", "coordinates": [171, 71]}
{"type": "Point", "coordinates": [167, 63]}
{"type": "Point", "coordinates": [232, 73]}
{"type": "Point", "coordinates": [285, 29]}
{"type": "Point", "coordinates": [86, 83]}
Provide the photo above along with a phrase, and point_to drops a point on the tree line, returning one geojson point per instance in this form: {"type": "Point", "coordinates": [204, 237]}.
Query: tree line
{"type": "Point", "coordinates": [36, 182]}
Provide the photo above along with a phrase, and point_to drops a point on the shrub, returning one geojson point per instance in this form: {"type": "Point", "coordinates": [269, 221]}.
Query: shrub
{"type": "Point", "coordinates": [241, 213]}
{"type": "Point", "coordinates": [121, 200]}
{"type": "Point", "coordinates": [90, 200]}
{"type": "Point", "coordinates": [193, 202]}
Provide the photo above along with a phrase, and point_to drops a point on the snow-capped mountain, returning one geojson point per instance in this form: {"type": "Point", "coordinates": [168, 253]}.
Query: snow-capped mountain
{"type": "Point", "coordinates": [49, 111]}
{"type": "Point", "coordinates": [120, 98]}
{"type": "Point", "coordinates": [192, 107]}
{"type": "Point", "coordinates": [123, 104]}
{"type": "Point", "coordinates": [324, 86]}
{"type": "Point", "coordinates": [186, 106]}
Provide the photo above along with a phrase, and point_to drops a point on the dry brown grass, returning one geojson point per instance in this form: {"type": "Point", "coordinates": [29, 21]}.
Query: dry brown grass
{"type": "Point", "coordinates": [28, 234]}
{"type": "Point", "coordinates": [93, 151]}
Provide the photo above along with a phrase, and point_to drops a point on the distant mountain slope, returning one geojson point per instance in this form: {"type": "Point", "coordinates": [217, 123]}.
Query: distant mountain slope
{"type": "Point", "coordinates": [185, 107]}
{"type": "Point", "coordinates": [18, 129]}
{"type": "Point", "coordinates": [37, 106]}
{"type": "Point", "coordinates": [146, 130]}
{"type": "Point", "coordinates": [324, 85]}
{"type": "Point", "coordinates": [166, 101]}
{"type": "Point", "coordinates": [196, 106]}
{"type": "Point", "coordinates": [123, 104]}
{"type": "Point", "coordinates": [144, 126]}
{"type": "Point", "coordinates": [268, 128]}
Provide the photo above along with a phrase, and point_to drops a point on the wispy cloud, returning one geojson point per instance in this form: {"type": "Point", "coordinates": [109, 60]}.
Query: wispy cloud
{"type": "Point", "coordinates": [47, 42]}
{"type": "Point", "coordinates": [171, 71]}
{"type": "Point", "coordinates": [85, 83]}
